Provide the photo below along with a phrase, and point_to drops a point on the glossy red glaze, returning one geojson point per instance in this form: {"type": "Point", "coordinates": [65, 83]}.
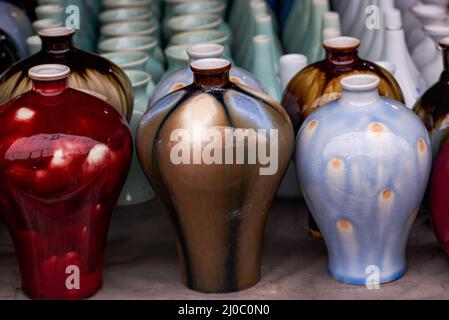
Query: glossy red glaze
{"type": "Point", "coordinates": [64, 157]}
{"type": "Point", "coordinates": [440, 198]}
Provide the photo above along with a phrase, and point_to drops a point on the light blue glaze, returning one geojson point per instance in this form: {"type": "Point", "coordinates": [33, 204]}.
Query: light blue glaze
{"type": "Point", "coordinates": [364, 162]}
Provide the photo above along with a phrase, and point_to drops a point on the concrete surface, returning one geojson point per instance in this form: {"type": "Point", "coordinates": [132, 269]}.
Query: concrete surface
{"type": "Point", "coordinates": [141, 262]}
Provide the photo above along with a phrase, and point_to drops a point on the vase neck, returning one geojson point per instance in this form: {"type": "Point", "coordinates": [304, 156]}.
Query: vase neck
{"type": "Point", "coordinates": [49, 79]}
{"type": "Point", "coordinates": [209, 73]}
{"type": "Point", "coordinates": [57, 40]}
{"type": "Point", "coordinates": [360, 90]}
{"type": "Point", "coordinates": [342, 50]}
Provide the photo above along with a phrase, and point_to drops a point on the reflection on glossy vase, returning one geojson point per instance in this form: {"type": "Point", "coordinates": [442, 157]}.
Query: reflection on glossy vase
{"type": "Point", "coordinates": [65, 155]}
{"type": "Point", "coordinates": [319, 84]}
{"type": "Point", "coordinates": [440, 198]}
{"type": "Point", "coordinates": [433, 106]}
{"type": "Point", "coordinates": [137, 189]}
{"type": "Point", "coordinates": [90, 73]}
{"type": "Point", "coordinates": [218, 207]}
{"type": "Point", "coordinates": [369, 159]}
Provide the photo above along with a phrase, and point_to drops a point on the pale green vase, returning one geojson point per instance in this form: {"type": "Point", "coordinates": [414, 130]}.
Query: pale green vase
{"type": "Point", "coordinates": [137, 189]}
{"type": "Point", "coordinates": [263, 68]}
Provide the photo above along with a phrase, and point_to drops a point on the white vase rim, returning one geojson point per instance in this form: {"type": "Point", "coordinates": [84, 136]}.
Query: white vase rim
{"type": "Point", "coordinates": [342, 43]}
{"type": "Point", "coordinates": [429, 11]}
{"type": "Point", "coordinates": [210, 65]}
{"type": "Point", "coordinates": [56, 32]}
{"type": "Point", "coordinates": [139, 58]}
{"type": "Point", "coordinates": [205, 50]}
{"type": "Point", "coordinates": [138, 78]}
{"type": "Point", "coordinates": [49, 72]}
{"type": "Point", "coordinates": [360, 82]}
{"type": "Point", "coordinates": [148, 44]}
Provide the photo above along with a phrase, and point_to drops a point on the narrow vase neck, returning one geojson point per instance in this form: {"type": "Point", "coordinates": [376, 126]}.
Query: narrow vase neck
{"type": "Point", "coordinates": [50, 88]}
{"type": "Point", "coordinates": [211, 80]}
{"type": "Point", "coordinates": [341, 57]}
{"type": "Point", "coordinates": [58, 44]}
{"type": "Point", "coordinates": [360, 98]}
{"type": "Point", "coordinates": [445, 52]}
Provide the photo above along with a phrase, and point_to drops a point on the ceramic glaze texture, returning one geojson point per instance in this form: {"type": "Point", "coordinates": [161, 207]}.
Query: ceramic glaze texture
{"type": "Point", "coordinates": [90, 73]}
{"type": "Point", "coordinates": [433, 106]}
{"type": "Point", "coordinates": [363, 163]}
{"type": "Point", "coordinates": [64, 158]}
{"type": "Point", "coordinates": [219, 209]}
{"type": "Point", "coordinates": [440, 198]}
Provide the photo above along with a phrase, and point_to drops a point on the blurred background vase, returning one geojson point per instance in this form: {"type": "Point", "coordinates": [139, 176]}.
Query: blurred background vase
{"type": "Point", "coordinates": [433, 106]}
{"type": "Point", "coordinates": [16, 25]}
{"type": "Point", "coordinates": [90, 73]}
{"type": "Point", "coordinates": [137, 189]}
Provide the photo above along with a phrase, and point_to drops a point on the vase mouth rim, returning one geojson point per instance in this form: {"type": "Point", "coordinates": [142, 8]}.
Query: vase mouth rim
{"type": "Point", "coordinates": [137, 58]}
{"type": "Point", "coordinates": [213, 6]}
{"type": "Point", "coordinates": [190, 22]}
{"type": "Point", "coordinates": [360, 82]}
{"type": "Point", "coordinates": [341, 43]}
{"type": "Point", "coordinates": [218, 36]}
{"type": "Point", "coordinates": [429, 11]}
{"type": "Point", "coordinates": [111, 28]}
{"type": "Point", "coordinates": [210, 66]}
{"type": "Point", "coordinates": [205, 50]}
{"type": "Point", "coordinates": [296, 57]}
{"type": "Point", "coordinates": [110, 4]}
{"type": "Point", "coordinates": [49, 72]}
{"type": "Point", "coordinates": [56, 32]}
{"type": "Point", "coordinates": [138, 78]}
{"type": "Point", "coordinates": [444, 43]}
{"type": "Point", "coordinates": [124, 43]}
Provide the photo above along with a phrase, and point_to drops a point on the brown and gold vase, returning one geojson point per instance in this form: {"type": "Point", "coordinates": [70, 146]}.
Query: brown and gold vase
{"type": "Point", "coordinates": [319, 84]}
{"type": "Point", "coordinates": [433, 106]}
{"type": "Point", "coordinates": [90, 73]}
{"type": "Point", "coordinates": [217, 195]}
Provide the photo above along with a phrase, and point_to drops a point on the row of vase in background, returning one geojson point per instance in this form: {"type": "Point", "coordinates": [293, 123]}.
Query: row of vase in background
{"type": "Point", "coordinates": [384, 167]}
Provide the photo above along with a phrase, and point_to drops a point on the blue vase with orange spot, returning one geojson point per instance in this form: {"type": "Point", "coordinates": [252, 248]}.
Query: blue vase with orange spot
{"type": "Point", "coordinates": [364, 162]}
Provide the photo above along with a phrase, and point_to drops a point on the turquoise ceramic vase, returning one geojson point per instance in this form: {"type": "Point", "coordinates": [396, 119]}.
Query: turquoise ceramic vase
{"type": "Point", "coordinates": [363, 162]}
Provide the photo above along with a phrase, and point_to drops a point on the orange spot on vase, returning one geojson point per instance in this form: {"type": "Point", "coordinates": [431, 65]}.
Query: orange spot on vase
{"type": "Point", "coordinates": [387, 193]}
{"type": "Point", "coordinates": [422, 145]}
{"type": "Point", "coordinates": [312, 125]}
{"type": "Point", "coordinates": [344, 225]}
{"type": "Point", "coordinates": [336, 163]}
{"type": "Point", "coordinates": [377, 128]}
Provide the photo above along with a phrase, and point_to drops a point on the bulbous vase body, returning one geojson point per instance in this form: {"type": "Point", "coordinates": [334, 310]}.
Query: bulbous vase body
{"type": "Point", "coordinates": [440, 198]}
{"type": "Point", "coordinates": [319, 84]}
{"type": "Point", "coordinates": [363, 163]}
{"type": "Point", "coordinates": [218, 205]}
{"type": "Point", "coordinates": [90, 73]}
{"type": "Point", "coordinates": [64, 158]}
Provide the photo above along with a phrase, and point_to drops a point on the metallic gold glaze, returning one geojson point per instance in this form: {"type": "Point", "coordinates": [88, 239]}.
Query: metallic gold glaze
{"type": "Point", "coordinates": [218, 211]}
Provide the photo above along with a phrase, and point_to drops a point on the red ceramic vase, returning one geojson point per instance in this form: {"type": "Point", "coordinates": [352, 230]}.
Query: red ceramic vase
{"type": "Point", "coordinates": [64, 157]}
{"type": "Point", "coordinates": [439, 198]}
